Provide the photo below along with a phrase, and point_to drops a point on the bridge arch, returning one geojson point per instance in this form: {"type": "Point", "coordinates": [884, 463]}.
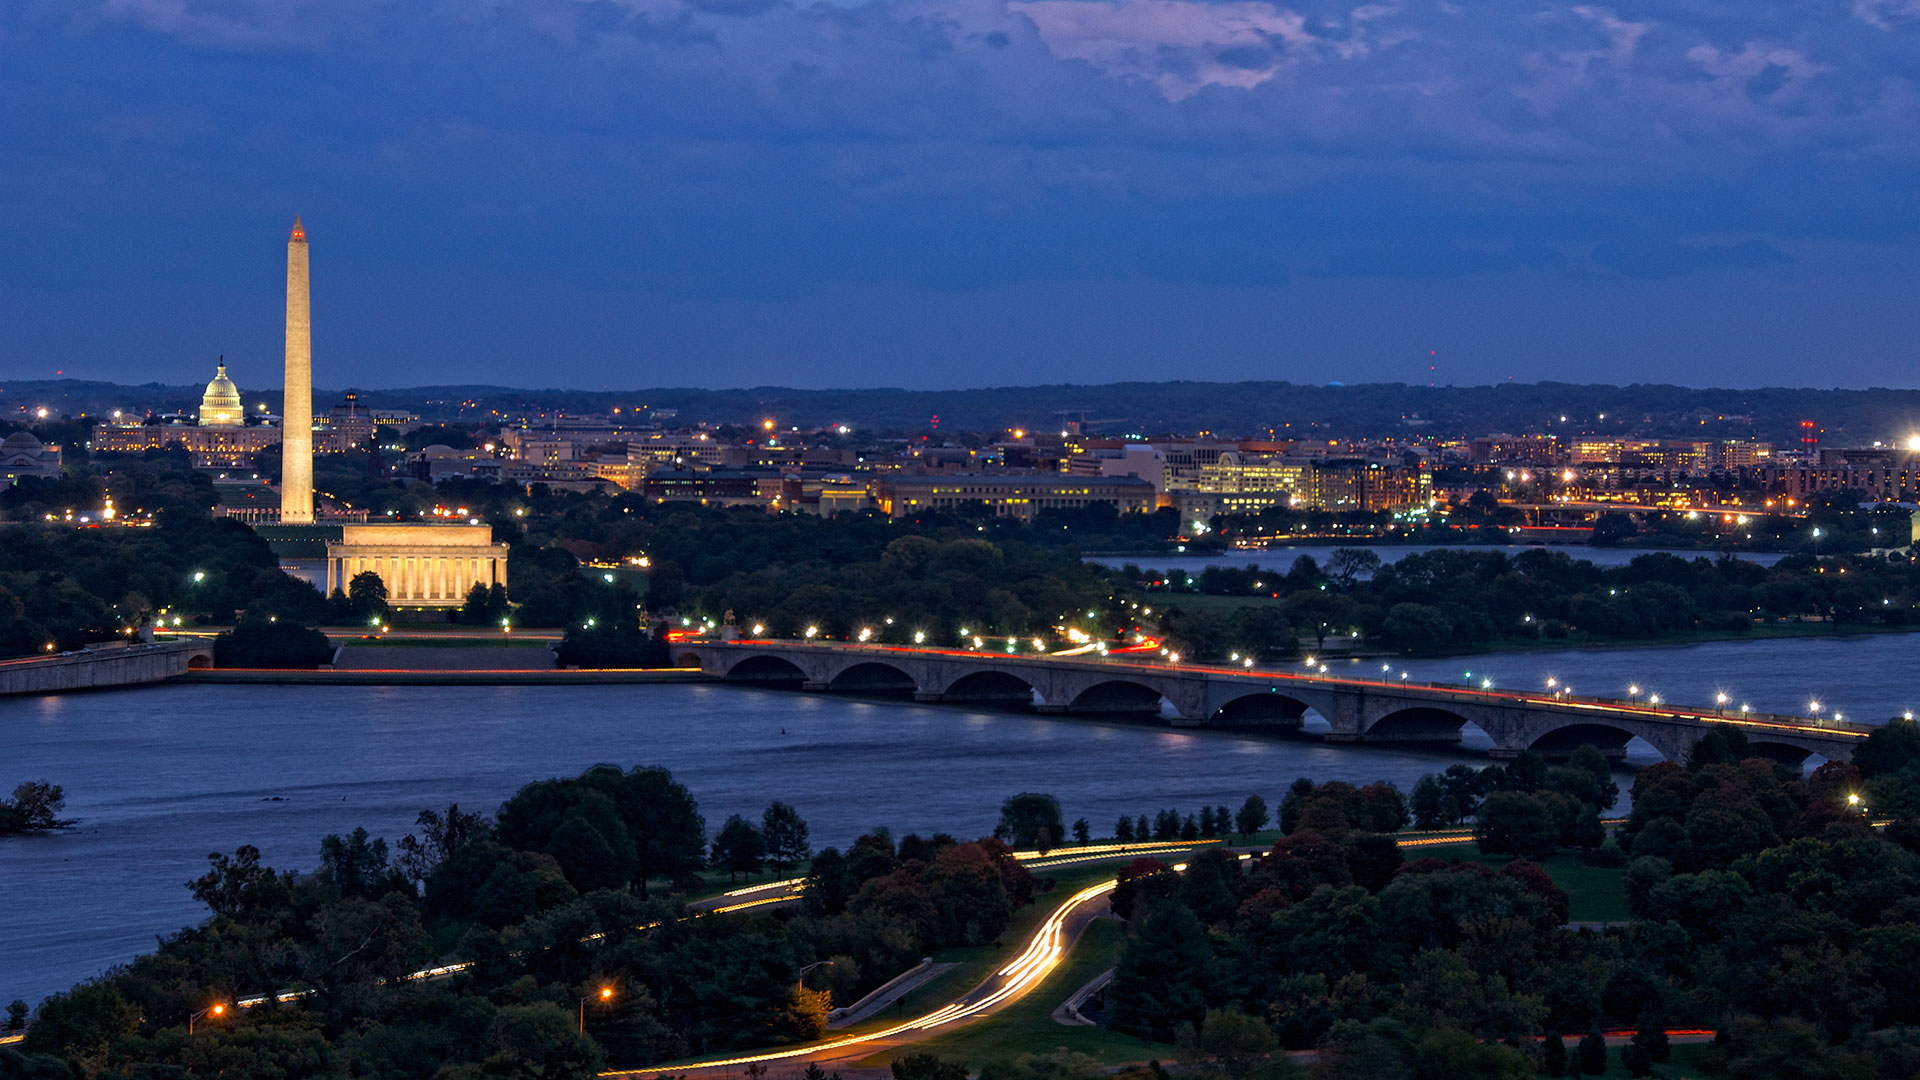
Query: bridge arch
{"type": "Point", "coordinates": [1418, 724]}
{"type": "Point", "coordinates": [766, 670]}
{"type": "Point", "coordinates": [1562, 741]}
{"type": "Point", "coordinates": [1262, 708]}
{"type": "Point", "coordinates": [873, 678]}
{"type": "Point", "coordinates": [1783, 752]}
{"type": "Point", "coordinates": [990, 687]}
{"type": "Point", "coordinates": [1117, 696]}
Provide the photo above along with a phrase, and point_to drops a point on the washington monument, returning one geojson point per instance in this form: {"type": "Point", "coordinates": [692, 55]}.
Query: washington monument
{"type": "Point", "coordinates": [296, 413]}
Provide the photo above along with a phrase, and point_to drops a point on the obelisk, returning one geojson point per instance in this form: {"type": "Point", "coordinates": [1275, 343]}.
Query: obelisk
{"type": "Point", "coordinates": [296, 412]}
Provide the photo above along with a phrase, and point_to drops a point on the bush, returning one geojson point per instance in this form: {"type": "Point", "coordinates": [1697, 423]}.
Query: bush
{"type": "Point", "coordinates": [272, 643]}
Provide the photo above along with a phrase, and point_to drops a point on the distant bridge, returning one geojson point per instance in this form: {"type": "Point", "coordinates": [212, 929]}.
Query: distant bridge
{"type": "Point", "coordinates": [104, 665]}
{"type": "Point", "coordinates": [1356, 710]}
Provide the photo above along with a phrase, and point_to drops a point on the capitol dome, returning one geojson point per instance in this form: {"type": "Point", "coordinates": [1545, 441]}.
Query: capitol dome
{"type": "Point", "coordinates": [20, 442]}
{"type": "Point", "coordinates": [220, 405]}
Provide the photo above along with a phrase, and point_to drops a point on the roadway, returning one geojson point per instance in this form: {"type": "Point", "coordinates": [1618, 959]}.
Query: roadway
{"type": "Point", "coordinates": [1043, 952]}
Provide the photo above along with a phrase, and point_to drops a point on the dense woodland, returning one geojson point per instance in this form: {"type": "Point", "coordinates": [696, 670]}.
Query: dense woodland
{"type": "Point", "coordinates": [1457, 598]}
{"type": "Point", "coordinates": [1766, 907]}
{"type": "Point", "coordinates": [575, 885]}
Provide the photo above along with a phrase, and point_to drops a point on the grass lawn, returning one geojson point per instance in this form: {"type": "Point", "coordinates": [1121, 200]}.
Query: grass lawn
{"type": "Point", "coordinates": [1594, 893]}
{"type": "Point", "coordinates": [1684, 1065]}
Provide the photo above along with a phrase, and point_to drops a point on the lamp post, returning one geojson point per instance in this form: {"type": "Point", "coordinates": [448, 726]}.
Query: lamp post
{"type": "Point", "coordinates": [218, 1008]}
{"type": "Point", "coordinates": [606, 994]}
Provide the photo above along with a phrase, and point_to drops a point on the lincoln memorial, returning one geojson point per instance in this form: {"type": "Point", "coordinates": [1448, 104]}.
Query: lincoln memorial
{"type": "Point", "coordinates": [421, 565]}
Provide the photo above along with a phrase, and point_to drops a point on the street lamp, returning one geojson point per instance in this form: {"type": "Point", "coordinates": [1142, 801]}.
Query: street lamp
{"type": "Point", "coordinates": [606, 994]}
{"type": "Point", "coordinates": [1721, 700]}
{"type": "Point", "coordinates": [218, 1008]}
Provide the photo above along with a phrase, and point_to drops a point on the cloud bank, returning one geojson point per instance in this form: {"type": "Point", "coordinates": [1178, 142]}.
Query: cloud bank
{"type": "Point", "coordinates": [832, 167]}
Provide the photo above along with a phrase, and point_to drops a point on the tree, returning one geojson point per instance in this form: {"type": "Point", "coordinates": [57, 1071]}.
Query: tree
{"type": "Point", "coordinates": [1142, 880]}
{"type": "Point", "coordinates": [1888, 748]}
{"type": "Point", "coordinates": [36, 805]}
{"type": "Point", "coordinates": [925, 1066]}
{"type": "Point", "coordinates": [1234, 1041]}
{"type": "Point", "coordinates": [785, 835]}
{"type": "Point", "coordinates": [240, 887]}
{"type": "Point", "coordinates": [1123, 829]}
{"type": "Point", "coordinates": [440, 836]}
{"type": "Point", "coordinates": [356, 866]}
{"type": "Point", "coordinates": [1512, 823]}
{"type": "Point", "coordinates": [1593, 1053]}
{"type": "Point", "coordinates": [1082, 832]}
{"type": "Point", "coordinates": [669, 837]}
{"type": "Point", "coordinates": [1553, 1054]}
{"type": "Point", "coordinates": [485, 605]}
{"type": "Point", "coordinates": [1031, 820]}
{"type": "Point", "coordinates": [1429, 804]}
{"type": "Point", "coordinates": [16, 1015]}
{"type": "Point", "coordinates": [1653, 1037]}
{"type": "Point", "coordinates": [1319, 613]}
{"type": "Point", "coordinates": [1610, 528]}
{"type": "Point", "coordinates": [740, 847]}
{"type": "Point", "coordinates": [367, 594]}
{"type": "Point", "coordinates": [1161, 977]}
{"type": "Point", "coordinates": [272, 643]}
{"type": "Point", "coordinates": [1416, 628]}
{"type": "Point", "coordinates": [1252, 817]}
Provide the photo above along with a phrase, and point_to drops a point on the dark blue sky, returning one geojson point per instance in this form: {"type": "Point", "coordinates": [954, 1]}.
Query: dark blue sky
{"type": "Point", "coordinates": [938, 193]}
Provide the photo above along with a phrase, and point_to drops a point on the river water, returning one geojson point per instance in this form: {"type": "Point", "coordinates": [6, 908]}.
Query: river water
{"type": "Point", "coordinates": [159, 777]}
{"type": "Point", "coordinates": [1281, 557]}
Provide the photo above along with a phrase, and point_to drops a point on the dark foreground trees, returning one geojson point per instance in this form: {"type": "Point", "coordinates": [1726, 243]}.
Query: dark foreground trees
{"type": "Point", "coordinates": [271, 642]}
{"type": "Point", "coordinates": [532, 911]}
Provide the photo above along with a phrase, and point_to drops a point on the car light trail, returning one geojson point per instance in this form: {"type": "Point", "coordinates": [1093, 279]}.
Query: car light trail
{"type": "Point", "coordinates": [1041, 956]}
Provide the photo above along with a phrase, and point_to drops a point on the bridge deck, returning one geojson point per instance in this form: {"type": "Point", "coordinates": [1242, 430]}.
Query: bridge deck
{"type": "Point", "coordinates": [1598, 709]}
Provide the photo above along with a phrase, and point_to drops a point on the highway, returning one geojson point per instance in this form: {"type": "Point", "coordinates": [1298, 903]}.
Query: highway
{"type": "Point", "coordinates": [1043, 952]}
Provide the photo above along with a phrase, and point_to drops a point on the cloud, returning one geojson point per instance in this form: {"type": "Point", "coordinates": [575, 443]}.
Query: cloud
{"type": "Point", "coordinates": [721, 149]}
{"type": "Point", "coordinates": [1178, 46]}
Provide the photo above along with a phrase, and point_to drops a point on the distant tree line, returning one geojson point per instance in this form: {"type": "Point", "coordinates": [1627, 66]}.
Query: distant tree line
{"type": "Point", "coordinates": [1454, 598]}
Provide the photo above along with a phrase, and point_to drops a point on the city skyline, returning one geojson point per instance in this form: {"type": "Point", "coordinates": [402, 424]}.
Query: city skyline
{"type": "Point", "coordinates": [943, 194]}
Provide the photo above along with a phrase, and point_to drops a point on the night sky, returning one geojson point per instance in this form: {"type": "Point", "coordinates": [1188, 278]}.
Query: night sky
{"type": "Point", "coordinates": [940, 193]}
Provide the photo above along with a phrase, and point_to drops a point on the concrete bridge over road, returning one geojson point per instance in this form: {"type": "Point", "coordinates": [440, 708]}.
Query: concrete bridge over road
{"type": "Point", "coordinates": [1190, 695]}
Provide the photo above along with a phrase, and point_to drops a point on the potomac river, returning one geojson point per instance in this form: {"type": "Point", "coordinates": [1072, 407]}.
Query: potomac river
{"type": "Point", "coordinates": [159, 777]}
